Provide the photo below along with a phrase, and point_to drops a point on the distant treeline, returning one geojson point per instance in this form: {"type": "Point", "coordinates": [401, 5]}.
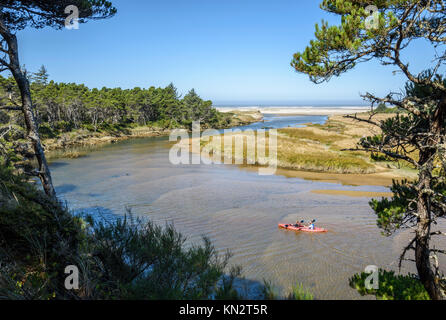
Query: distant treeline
{"type": "Point", "coordinates": [63, 107]}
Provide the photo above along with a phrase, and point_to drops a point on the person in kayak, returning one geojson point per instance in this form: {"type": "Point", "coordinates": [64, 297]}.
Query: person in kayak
{"type": "Point", "coordinates": [299, 224]}
{"type": "Point", "coordinates": [311, 225]}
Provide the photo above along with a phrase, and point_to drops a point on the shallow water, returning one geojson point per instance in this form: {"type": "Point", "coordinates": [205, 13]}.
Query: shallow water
{"type": "Point", "coordinates": [276, 121]}
{"type": "Point", "coordinates": [239, 211]}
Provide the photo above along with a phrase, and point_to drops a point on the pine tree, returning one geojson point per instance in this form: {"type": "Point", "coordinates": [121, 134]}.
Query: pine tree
{"type": "Point", "coordinates": [41, 77]}
{"type": "Point", "coordinates": [382, 32]}
{"type": "Point", "coordinates": [16, 15]}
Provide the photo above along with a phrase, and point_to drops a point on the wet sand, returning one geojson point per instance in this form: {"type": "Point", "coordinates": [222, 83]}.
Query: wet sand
{"type": "Point", "coordinates": [351, 193]}
{"type": "Point", "coordinates": [372, 179]}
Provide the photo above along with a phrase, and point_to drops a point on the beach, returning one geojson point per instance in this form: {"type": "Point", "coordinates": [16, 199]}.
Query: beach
{"type": "Point", "coordinates": [298, 110]}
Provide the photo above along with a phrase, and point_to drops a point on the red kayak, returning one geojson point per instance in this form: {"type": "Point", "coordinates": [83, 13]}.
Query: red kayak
{"type": "Point", "coordinates": [304, 229]}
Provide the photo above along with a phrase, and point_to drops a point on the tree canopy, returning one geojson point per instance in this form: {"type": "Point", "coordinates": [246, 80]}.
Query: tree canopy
{"type": "Point", "coordinates": [19, 14]}
{"type": "Point", "coordinates": [338, 49]}
{"type": "Point", "coordinates": [16, 15]}
{"type": "Point", "coordinates": [66, 107]}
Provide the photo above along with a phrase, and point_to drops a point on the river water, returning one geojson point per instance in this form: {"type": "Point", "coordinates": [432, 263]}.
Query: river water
{"type": "Point", "coordinates": [239, 211]}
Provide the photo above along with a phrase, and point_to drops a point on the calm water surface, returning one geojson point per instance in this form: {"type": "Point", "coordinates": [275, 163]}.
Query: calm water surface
{"type": "Point", "coordinates": [238, 210]}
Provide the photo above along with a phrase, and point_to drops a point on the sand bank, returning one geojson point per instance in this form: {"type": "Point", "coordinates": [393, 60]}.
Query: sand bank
{"type": "Point", "coordinates": [383, 179]}
{"type": "Point", "coordinates": [355, 194]}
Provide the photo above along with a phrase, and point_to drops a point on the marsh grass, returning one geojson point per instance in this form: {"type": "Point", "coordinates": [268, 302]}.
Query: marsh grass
{"type": "Point", "coordinates": [312, 134]}
{"type": "Point", "coordinates": [269, 292]}
{"type": "Point", "coordinates": [298, 292]}
{"type": "Point", "coordinates": [326, 162]}
{"type": "Point", "coordinates": [74, 154]}
{"type": "Point", "coordinates": [315, 148]}
{"type": "Point", "coordinates": [300, 149]}
{"type": "Point", "coordinates": [66, 154]}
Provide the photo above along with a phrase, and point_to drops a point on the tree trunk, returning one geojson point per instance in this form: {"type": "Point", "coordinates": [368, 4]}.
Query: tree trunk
{"type": "Point", "coordinates": [438, 127]}
{"type": "Point", "coordinates": [422, 247]}
{"type": "Point", "coordinates": [27, 109]}
{"type": "Point", "coordinates": [427, 275]}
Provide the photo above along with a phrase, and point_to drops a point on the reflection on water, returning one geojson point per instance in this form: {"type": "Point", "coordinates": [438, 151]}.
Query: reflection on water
{"type": "Point", "coordinates": [239, 210]}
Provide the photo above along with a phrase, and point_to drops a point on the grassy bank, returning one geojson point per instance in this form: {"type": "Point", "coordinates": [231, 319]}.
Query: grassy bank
{"type": "Point", "coordinates": [64, 145]}
{"type": "Point", "coordinates": [321, 148]}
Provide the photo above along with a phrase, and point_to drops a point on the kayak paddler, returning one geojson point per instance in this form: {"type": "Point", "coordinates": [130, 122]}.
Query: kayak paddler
{"type": "Point", "coordinates": [311, 225]}
{"type": "Point", "coordinates": [299, 224]}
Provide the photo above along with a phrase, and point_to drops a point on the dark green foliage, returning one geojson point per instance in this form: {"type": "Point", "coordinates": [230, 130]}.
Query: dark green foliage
{"type": "Point", "coordinates": [19, 14]}
{"type": "Point", "coordinates": [269, 291]}
{"type": "Point", "coordinates": [41, 76]}
{"type": "Point", "coordinates": [200, 110]}
{"type": "Point", "coordinates": [382, 108]}
{"type": "Point", "coordinates": [391, 286]}
{"type": "Point", "coordinates": [38, 239]}
{"type": "Point", "coordinates": [4, 117]}
{"type": "Point", "coordinates": [424, 90]}
{"type": "Point", "coordinates": [226, 290]}
{"type": "Point", "coordinates": [64, 107]}
{"type": "Point", "coordinates": [392, 213]}
{"type": "Point", "coordinates": [298, 292]}
{"type": "Point", "coordinates": [124, 259]}
{"type": "Point", "coordinates": [143, 261]}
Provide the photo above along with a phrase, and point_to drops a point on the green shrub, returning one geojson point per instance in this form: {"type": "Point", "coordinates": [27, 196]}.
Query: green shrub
{"type": "Point", "coordinates": [46, 132]}
{"type": "Point", "coordinates": [114, 128]}
{"type": "Point", "coordinates": [4, 117]}
{"type": "Point", "coordinates": [382, 108]}
{"type": "Point", "coordinates": [226, 290]}
{"type": "Point", "coordinates": [140, 260]}
{"type": "Point", "coordinates": [38, 239]}
{"type": "Point", "coordinates": [123, 259]}
{"type": "Point", "coordinates": [300, 293]}
{"type": "Point", "coordinates": [63, 126]}
{"type": "Point", "coordinates": [269, 292]}
{"type": "Point", "coordinates": [88, 127]}
{"type": "Point", "coordinates": [391, 286]}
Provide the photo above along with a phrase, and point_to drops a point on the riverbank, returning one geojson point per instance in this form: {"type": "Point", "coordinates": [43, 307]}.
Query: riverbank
{"type": "Point", "coordinates": [69, 145]}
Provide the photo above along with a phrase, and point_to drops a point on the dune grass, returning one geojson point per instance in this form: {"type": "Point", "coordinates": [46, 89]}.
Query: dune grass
{"type": "Point", "coordinates": [312, 134]}
{"type": "Point", "coordinates": [326, 162]}
{"type": "Point", "coordinates": [318, 148]}
{"type": "Point", "coordinates": [300, 150]}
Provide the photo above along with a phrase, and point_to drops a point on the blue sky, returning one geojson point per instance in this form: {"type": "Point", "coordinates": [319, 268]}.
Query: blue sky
{"type": "Point", "coordinates": [231, 52]}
